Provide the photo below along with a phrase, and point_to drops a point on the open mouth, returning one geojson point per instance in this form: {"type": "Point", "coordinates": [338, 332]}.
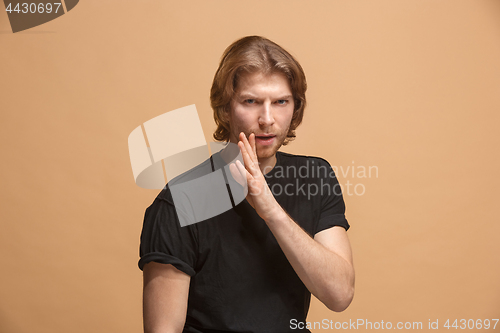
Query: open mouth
{"type": "Point", "coordinates": [265, 139]}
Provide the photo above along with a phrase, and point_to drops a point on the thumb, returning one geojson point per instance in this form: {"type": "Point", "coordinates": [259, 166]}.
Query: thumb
{"type": "Point", "coordinates": [235, 172]}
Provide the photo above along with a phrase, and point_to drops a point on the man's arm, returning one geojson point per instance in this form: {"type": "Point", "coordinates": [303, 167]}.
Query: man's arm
{"type": "Point", "coordinates": [165, 298]}
{"type": "Point", "coordinates": [324, 264]}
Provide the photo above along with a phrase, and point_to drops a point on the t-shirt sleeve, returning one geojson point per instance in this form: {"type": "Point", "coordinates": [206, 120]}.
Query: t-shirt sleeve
{"type": "Point", "coordinates": [163, 240]}
{"type": "Point", "coordinates": [332, 202]}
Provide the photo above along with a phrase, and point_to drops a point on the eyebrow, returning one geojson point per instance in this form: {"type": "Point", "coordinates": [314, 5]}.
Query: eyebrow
{"type": "Point", "coordinates": [246, 95]}
{"type": "Point", "coordinates": [250, 96]}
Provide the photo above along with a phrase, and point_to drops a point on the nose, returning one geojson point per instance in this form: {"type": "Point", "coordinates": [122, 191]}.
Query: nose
{"type": "Point", "coordinates": [266, 118]}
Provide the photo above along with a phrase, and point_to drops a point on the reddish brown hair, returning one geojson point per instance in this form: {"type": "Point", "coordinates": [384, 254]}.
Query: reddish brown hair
{"type": "Point", "coordinates": [249, 55]}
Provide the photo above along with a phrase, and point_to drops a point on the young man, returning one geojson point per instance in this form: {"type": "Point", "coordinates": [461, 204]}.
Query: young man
{"type": "Point", "coordinates": [254, 267]}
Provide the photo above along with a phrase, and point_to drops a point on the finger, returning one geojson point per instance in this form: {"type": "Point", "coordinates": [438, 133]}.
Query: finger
{"type": "Point", "coordinates": [249, 154]}
{"type": "Point", "coordinates": [235, 172]}
{"type": "Point", "coordinates": [251, 139]}
{"type": "Point", "coordinates": [248, 147]}
{"type": "Point", "coordinates": [247, 159]}
{"type": "Point", "coordinates": [244, 172]}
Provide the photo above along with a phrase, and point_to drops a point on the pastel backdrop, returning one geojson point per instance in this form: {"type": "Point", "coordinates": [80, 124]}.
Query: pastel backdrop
{"type": "Point", "coordinates": [408, 88]}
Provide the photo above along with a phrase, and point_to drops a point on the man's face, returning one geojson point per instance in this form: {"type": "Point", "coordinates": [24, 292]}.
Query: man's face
{"type": "Point", "coordinates": [263, 105]}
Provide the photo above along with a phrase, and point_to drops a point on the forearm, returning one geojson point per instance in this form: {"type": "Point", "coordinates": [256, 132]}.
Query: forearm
{"type": "Point", "coordinates": [328, 275]}
{"type": "Point", "coordinates": [324, 265]}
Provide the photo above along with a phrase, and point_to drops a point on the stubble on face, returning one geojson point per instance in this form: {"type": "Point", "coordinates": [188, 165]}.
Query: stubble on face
{"type": "Point", "coordinates": [262, 151]}
{"type": "Point", "coordinates": [265, 89]}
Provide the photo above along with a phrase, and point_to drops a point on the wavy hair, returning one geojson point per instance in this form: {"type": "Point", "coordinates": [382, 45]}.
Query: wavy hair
{"type": "Point", "coordinates": [250, 55]}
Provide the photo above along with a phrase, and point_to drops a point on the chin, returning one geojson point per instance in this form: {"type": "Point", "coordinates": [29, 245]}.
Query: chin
{"type": "Point", "coordinates": [267, 152]}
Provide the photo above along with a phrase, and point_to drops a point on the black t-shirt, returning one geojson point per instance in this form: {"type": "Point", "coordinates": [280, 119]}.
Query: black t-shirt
{"type": "Point", "coordinates": [241, 281]}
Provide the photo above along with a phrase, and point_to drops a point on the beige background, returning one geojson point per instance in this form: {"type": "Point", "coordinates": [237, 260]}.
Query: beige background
{"type": "Point", "coordinates": [411, 87]}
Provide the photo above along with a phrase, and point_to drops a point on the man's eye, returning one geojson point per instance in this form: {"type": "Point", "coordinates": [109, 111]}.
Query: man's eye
{"type": "Point", "coordinates": [282, 101]}
{"type": "Point", "coordinates": [250, 101]}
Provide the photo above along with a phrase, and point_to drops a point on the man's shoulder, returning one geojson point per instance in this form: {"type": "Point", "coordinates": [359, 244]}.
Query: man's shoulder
{"type": "Point", "coordinates": [287, 158]}
{"type": "Point", "coordinates": [200, 170]}
{"type": "Point", "coordinates": [302, 168]}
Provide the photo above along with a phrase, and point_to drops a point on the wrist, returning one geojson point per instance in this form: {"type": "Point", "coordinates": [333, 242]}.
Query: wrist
{"type": "Point", "coordinates": [276, 215]}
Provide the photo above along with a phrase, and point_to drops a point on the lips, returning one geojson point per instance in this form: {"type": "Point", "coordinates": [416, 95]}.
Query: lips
{"type": "Point", "coordinates": [265, 136]}
{"type": "Point", "coordinates": [265, 139]}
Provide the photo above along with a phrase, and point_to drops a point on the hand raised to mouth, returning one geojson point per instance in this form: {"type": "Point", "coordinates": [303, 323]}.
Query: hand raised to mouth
{"type": "Point", "coordinates": [259, 195]}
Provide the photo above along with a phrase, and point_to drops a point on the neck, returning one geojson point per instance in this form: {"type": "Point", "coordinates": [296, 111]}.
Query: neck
{"type": "Point", "coordinates": [267, 164]}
